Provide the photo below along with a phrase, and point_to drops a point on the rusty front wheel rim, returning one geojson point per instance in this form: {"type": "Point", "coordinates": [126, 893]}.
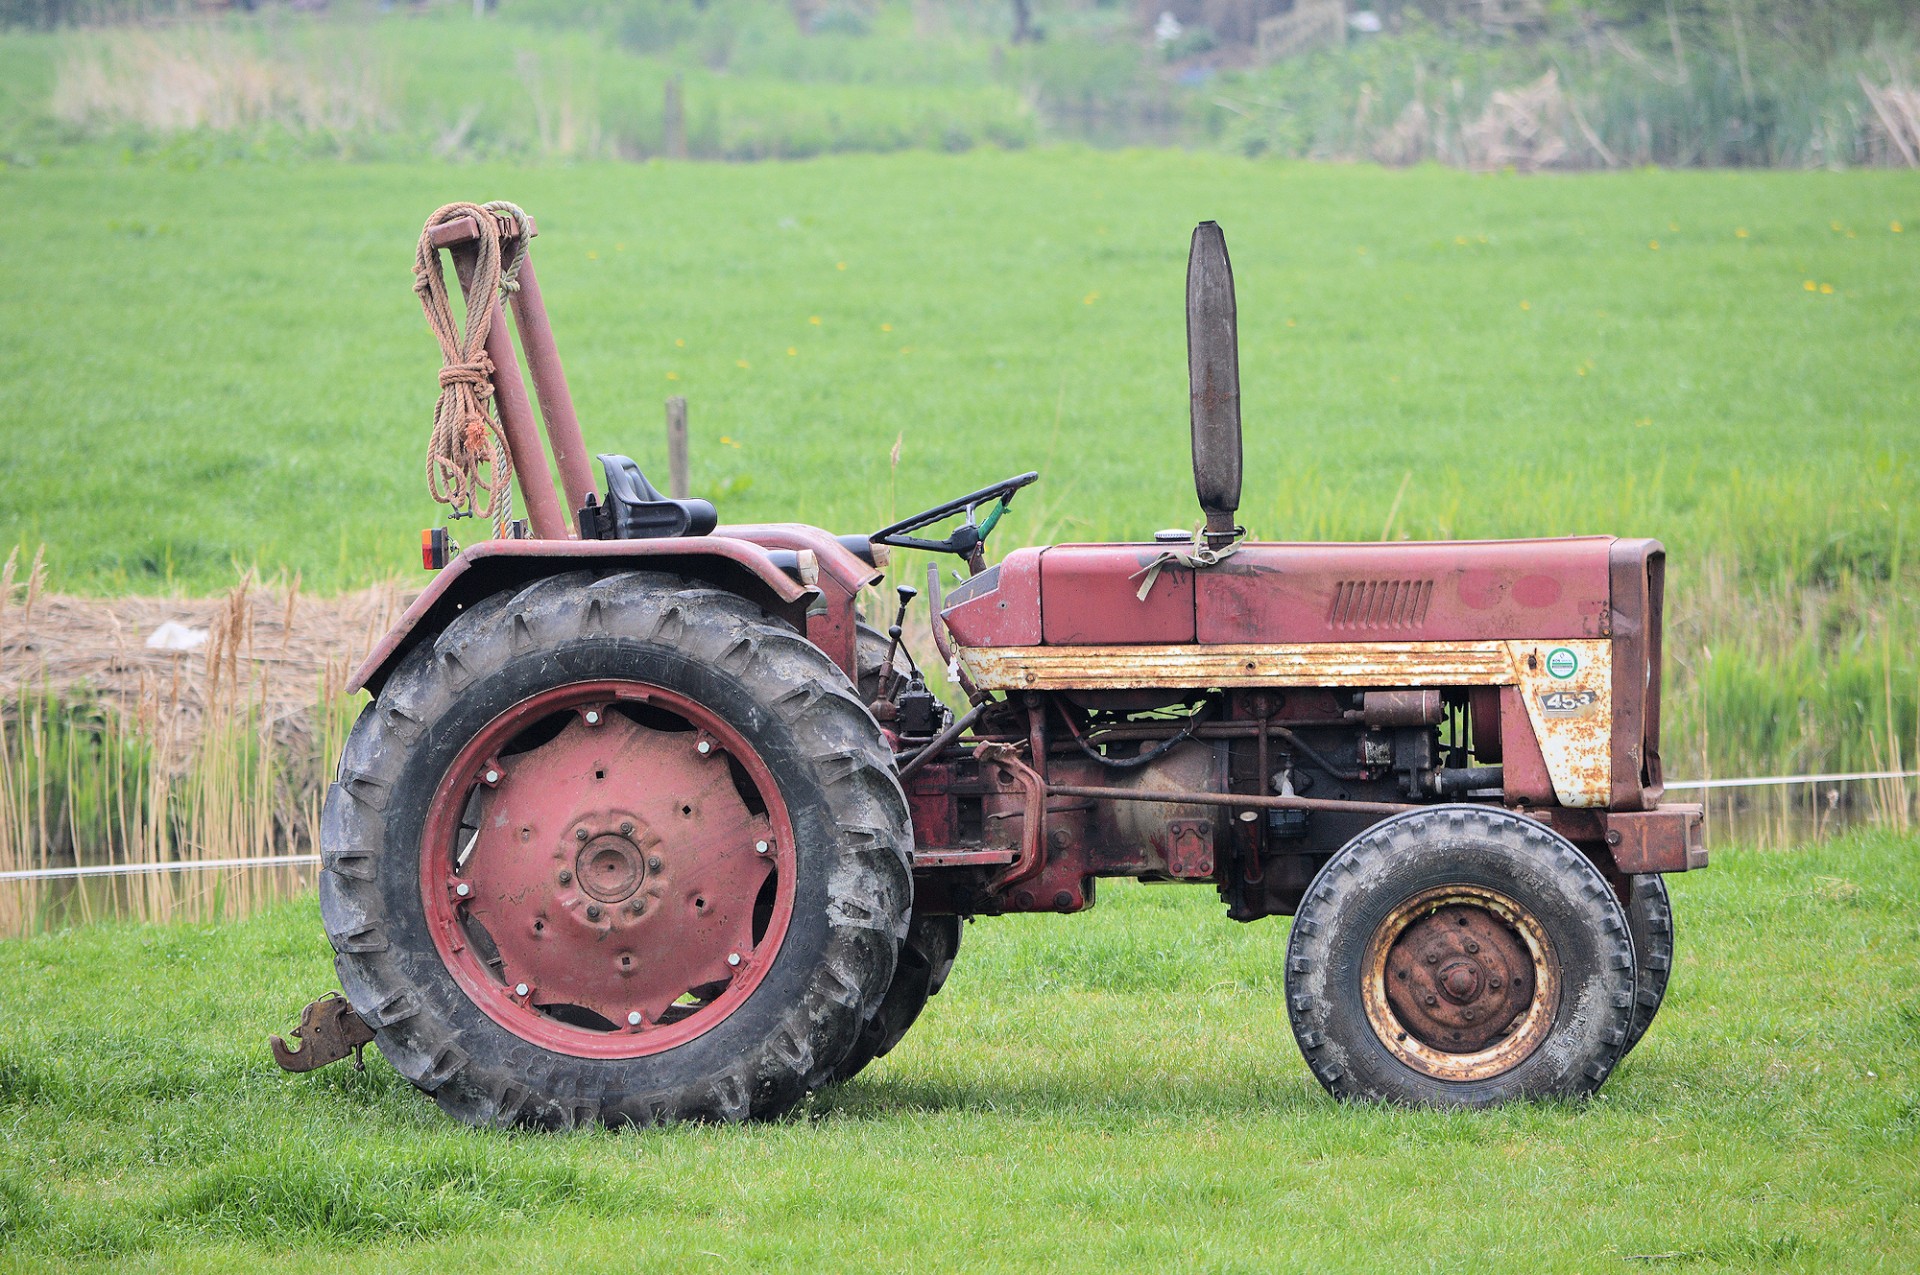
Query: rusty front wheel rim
{"type": "Point", "coordinates": [1387, 957]}
{"type": "Point", "coordinates": [621, 886]}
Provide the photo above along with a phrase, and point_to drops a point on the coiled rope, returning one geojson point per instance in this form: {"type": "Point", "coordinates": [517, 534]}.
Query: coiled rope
{"type": "Point", "coordinates": [466, 426]}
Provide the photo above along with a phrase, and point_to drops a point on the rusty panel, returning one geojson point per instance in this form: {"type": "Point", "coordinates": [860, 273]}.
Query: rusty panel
{"type": "Point", "coordinates": [1671, 838]}
{"type": "Point", "coordinates": [1567, 687]}
{"type": "Point", "coordinates": [1090, 593]}
{"type": "Point", "coordinates": [1000, 607]}
{"type": "Point", "coordinates": [1396, 664]}
{"type": "Point", "coordinates": [1638, 578]}
{"type": "Point", "coordinates": [1417, 591]}
{"type": "Point", "coordinates": [1525, 769]}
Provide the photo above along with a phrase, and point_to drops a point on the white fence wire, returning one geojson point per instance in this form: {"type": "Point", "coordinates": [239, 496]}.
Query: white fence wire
{"type": "Point", "coordinates": [310, 860]}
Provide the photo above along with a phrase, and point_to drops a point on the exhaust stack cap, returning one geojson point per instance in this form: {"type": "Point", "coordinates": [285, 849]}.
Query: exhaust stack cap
{"type": "Point", "coordinates": [1213, 371]}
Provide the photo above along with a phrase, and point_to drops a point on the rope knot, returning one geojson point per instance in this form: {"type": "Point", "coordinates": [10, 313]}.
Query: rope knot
{"type": "Point", "coordinates": [477, 375]}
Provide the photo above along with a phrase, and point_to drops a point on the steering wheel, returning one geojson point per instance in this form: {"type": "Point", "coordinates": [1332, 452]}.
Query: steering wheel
{"type": "Point", "coordinates": [966, 538]}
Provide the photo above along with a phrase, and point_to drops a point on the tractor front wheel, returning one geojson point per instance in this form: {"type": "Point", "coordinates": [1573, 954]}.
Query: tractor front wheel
{"type": "Point", "coordinates": [622, 850]}
{"type": "Point", "coordinates": [1460, 956]}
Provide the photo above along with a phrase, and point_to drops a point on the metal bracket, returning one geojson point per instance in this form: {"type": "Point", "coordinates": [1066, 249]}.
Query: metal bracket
{"type": "Point", "coordinates": [329, 1030]}
{"type": "Point", "coordinates": [1190, 848]}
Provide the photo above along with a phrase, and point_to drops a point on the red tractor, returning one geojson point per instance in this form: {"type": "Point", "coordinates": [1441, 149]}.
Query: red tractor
{"type": "Point", "coordinates": [643, 823]}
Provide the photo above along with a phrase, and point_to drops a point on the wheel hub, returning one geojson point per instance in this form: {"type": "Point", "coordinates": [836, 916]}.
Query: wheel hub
{"type": "Point", "coordinates": [615, 887]}
{"type": "Point", "coordinates": [610, 868]}
{"type": "Point", "coordinates": [1460, 983]}
{"type": "Point", "coordinates": [1458, 977]}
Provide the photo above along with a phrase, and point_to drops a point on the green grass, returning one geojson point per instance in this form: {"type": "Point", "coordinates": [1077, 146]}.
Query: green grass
{"type": "Point", "coordinates": [227, 366]}
{"type": "Point", "coordinates": [1112, 1091]}
{"type": "Point", "coordinates": [219, 367]}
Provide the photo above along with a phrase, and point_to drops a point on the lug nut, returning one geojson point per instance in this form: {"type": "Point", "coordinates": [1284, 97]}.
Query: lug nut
{"type": "Point", "coordinates": [633, 1019]}
{"type": "Point", "coordinates": [761, 847]}
{"type": "Point", "coordinates": [566, 877]}
{"type": "Point", "coordinates": [733, 958]}
{"type": "Point", "coordinates": [1432, 1001]}
{"type": "Point", "coordinates": [626, 827]}
{"type": "Point", "coordinates": [636, 907]}
{"type": "Point", "coordinates": [1472, 946]}
{"type": "Point", "coordinates": [1433, 958]}
{"type": "Point", "coordinates": [1472, 1014]}
{"type": "Point", "coordinates": [704, 747]}
{"type": "Point", "coordinates": [463, 889]}
{"type": "Point", "coordinates": [579, 834]}
{"type": "Point", "coordinates": [493, 776]}
{"type": "Point", "coordinates": [653, 863]}
{"type": "Point", "coordinates": [519, 989]}
{"type": "Point", "coordinates": [1493, 982]}
{"type": "Point", "coordinates": [593, 717]}
{"type": "Point", "coordinates": [593, 911]}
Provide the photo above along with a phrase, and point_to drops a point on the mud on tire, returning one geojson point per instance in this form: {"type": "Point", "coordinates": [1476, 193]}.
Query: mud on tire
{"type": "Point", "coordinates": [851, 888]}
{"type": "Point", "coordinates": [1456, 908]}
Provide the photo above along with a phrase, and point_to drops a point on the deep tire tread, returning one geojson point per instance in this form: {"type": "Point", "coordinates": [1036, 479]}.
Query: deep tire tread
{"type": "Point", "coordinates": [472, 1073]}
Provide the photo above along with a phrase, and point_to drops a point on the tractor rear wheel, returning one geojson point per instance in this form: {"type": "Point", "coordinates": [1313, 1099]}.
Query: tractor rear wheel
{"type": "Point", "coordinates": [1650, 919]}
{"type": "Point", "coordinates": [1460, 956]}
{"type": "Point", "coordinates": [926, 958]}
{"type": "Point", "coordinates": [619, 849]}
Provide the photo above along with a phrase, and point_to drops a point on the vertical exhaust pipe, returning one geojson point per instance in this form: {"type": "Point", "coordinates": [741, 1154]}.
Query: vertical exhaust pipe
{"type": "Point", "coordinates": [1213, 372]}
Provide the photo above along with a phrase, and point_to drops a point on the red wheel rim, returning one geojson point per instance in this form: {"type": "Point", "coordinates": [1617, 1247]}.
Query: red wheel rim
{"type": "Point", "coordinates": [608, 869]}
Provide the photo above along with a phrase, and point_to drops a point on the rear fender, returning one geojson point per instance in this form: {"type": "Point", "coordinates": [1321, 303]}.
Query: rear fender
{"type": "Point", "coordinates": [738, 566]}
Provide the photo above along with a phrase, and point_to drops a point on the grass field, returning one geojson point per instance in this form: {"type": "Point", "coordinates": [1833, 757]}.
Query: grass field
{"type": "Point", "coordinates": [1113, 1091]}
{"type": "Point", "coordinates": [216, 368]}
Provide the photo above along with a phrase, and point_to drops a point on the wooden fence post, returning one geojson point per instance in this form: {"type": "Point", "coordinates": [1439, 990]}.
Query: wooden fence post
{"type": "Point", "coordinates": [677, 447]}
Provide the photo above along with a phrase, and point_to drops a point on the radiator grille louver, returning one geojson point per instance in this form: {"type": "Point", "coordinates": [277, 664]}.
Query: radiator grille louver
{"type": "Point", "coordinates": [1379, 604]}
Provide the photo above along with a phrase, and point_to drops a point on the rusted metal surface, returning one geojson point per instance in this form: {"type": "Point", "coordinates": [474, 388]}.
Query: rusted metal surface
{"type": "Point", "coordinates": [1190, 849]}
{"type": "Point", "coordinates": [1234, 800]}
{"type": "Point", "coordinates": [1567, 690]}
{"type": "Point", "coordinates": [496, 564]}
{"type": "Point", "coordinates": [1000, 606]}
{"type": "Point", "coordinates": [550, 383]}
{"type": "Point", "coordinates": [1400, 708]}
{"type": "Point", "coordinates": [1669, 839]}
{"type": "Point", "coordinates": [463, 230]}
{"type": "Point", "coordinates": [599, 896]}
{"type": "Point", "coordinates": [1213, 374]}
{"type": "Point", "coordinates": [1440, 591]}
{"type": "Point", "coordinates": [546, 518]}
{"type": "Point", "coordinates": [1385, 664]}
{"type": "Point", "coordinates": [329, 1030]}
{"type": "Point", "coordinates": [1091, 594]}
{"type": "Point", "coordinates": [1033, 809]}
{"type": "Point", "coordinates": [1460, 983]}
{"type": "Point", "coordinates": [1639, 570]}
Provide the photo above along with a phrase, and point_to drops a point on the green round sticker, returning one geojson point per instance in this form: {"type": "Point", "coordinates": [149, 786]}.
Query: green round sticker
{"type": "Point", "coordinates": [1562, 662]}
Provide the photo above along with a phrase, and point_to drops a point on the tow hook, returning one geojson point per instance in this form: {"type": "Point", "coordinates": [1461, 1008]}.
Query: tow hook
{"type": "Point", "coordinates": [329, 1030]}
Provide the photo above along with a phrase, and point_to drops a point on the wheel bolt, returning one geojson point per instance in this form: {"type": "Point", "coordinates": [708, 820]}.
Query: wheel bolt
{"type": "Point", "coordinates": [704, 747]}
{"type": "Point", "coordinates": [463, 889]}
{"type": "Point", "coordinates": [733, 958]}
{"type": "Point", "coordinates": [1433, 958]}
{"type": "Point", "coordinates": [653, 863]}
{"type": "Point", "coordinates": [579, 834]}
{"type": "Point", "coordinates": [1472, 946]}
{"type": "Point", "coordinates": [1493, 982]}
{"type": "Point", "coordinates": [1472, 1014]}
{"type": "Point", "coordinates": [493, 776]}
{"type": "Point", "coordinates": [760, 847]}
{"type": "Point", "coordinates": [633, 1019]}
{"type": "Point", "coordinates": [626, 828]}
{"type": "Point", "coordinates": [566, 877]}
{"type": "Point", "coordinates": [593, 717]}
{"type": "Point", "coordinates": [636, 907]}
{"type": "Point", "coordinates": [1432, 1001]}
{"type": "Point", "coordinates": [593, 911]}
{"type": "Point", "coordinates": [519, 989]}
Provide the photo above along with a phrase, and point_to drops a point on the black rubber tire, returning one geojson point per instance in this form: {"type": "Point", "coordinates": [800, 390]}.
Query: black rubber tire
{"type": "Point", "coordinates": [1650, 921]}
{"type": "Point", "coordinates": [926, 958]}
{"type": "Point", "coordinates": [870, 659]}
{"type": "Point", "coordinates": [853, 889]}
{"type": "Point", "coordinates": [1400, 857]}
